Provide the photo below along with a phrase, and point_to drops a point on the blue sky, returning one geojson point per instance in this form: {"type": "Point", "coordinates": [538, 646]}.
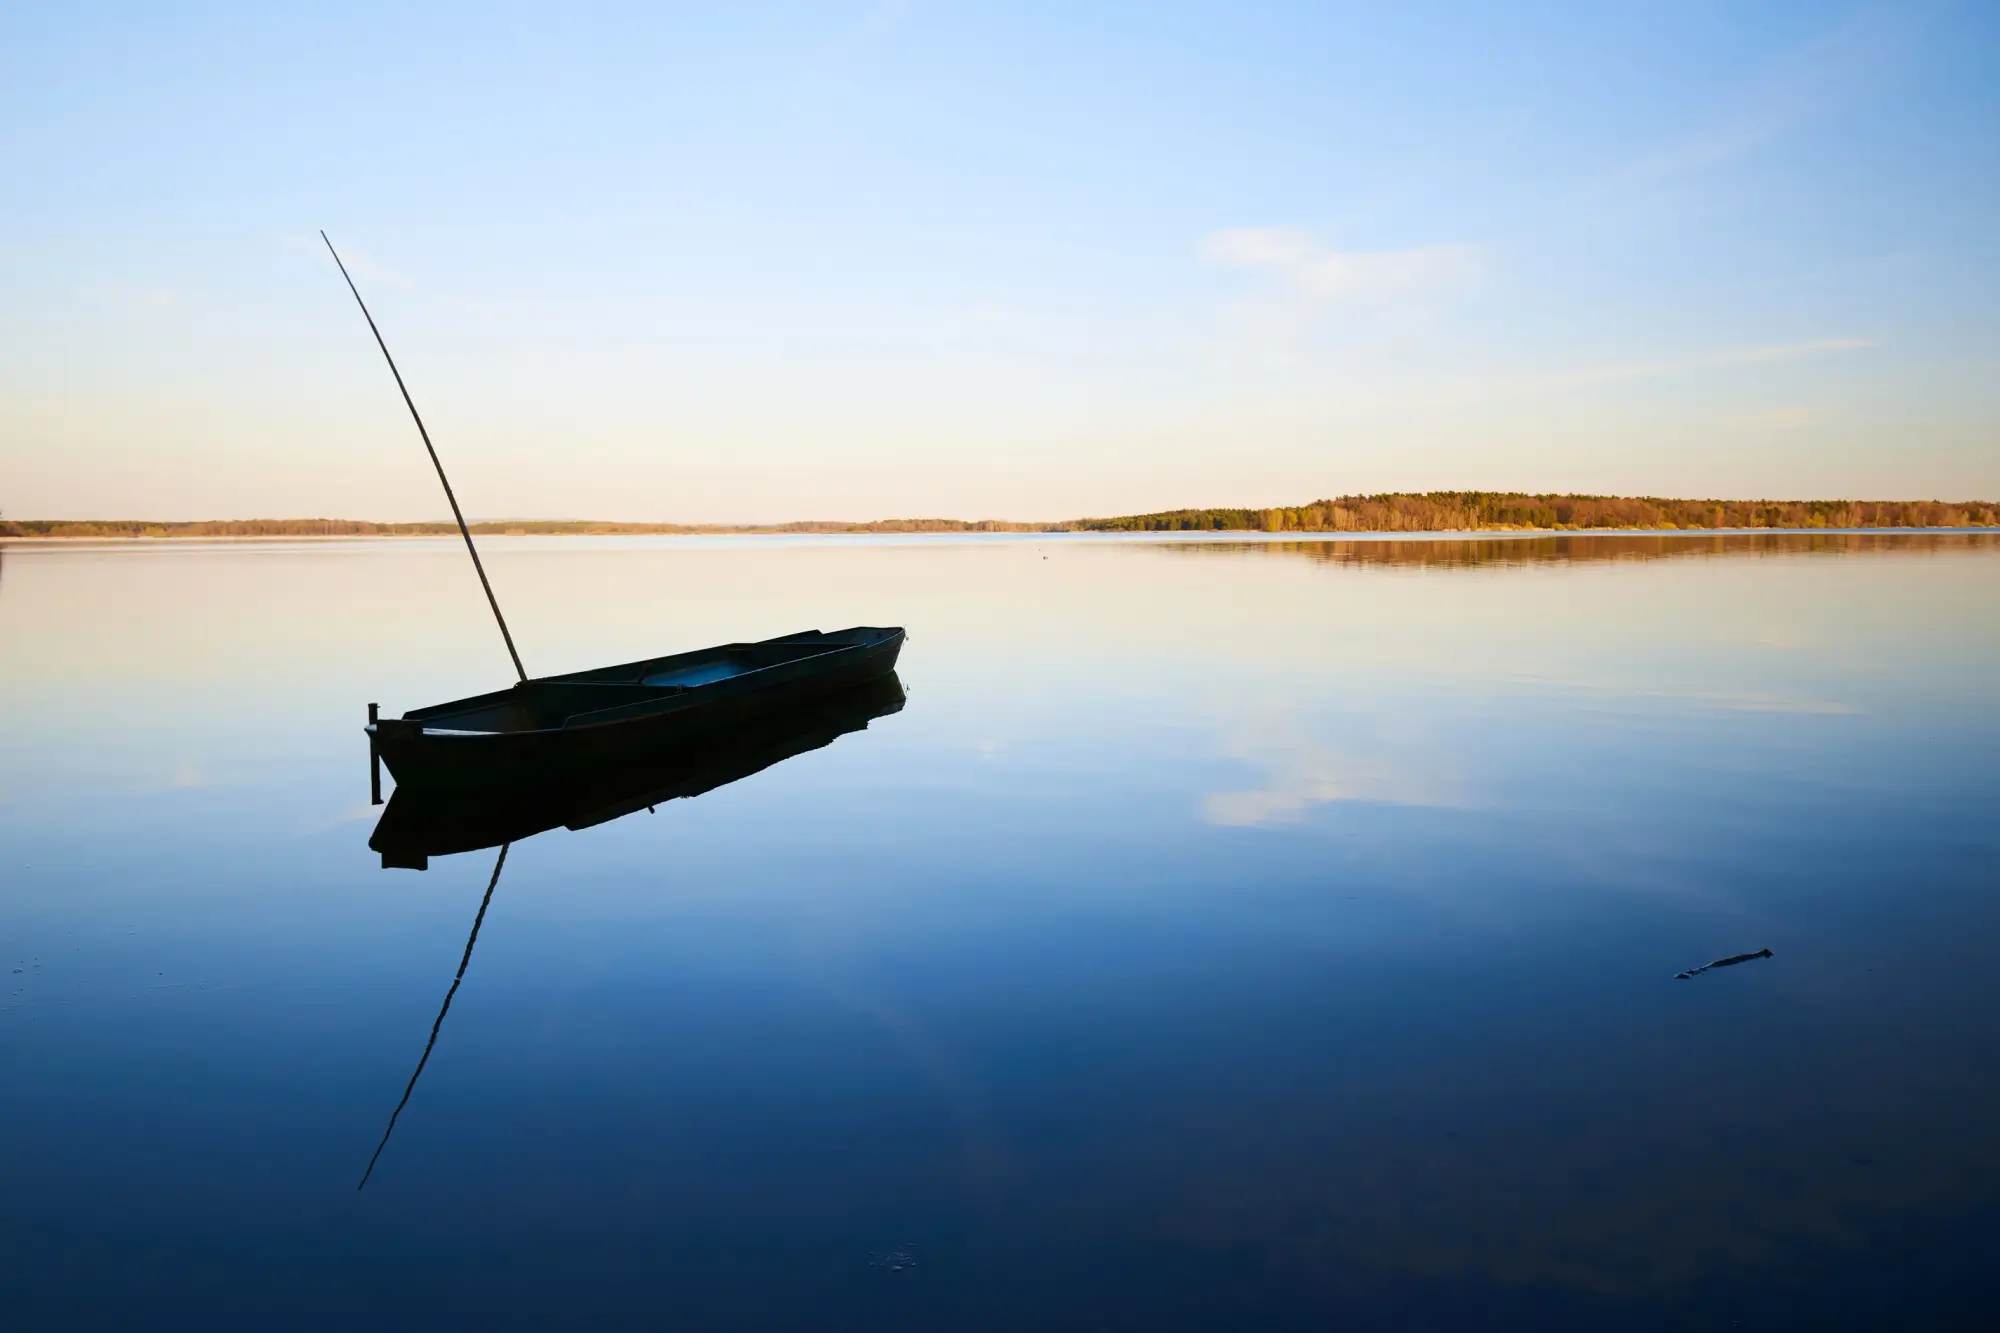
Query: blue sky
{"type": "Point", "coordinates": [755, 262]}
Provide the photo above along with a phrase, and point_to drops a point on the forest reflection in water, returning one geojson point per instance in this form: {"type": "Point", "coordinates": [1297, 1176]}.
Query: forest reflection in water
{"type": "Point", "coordinates": [1479, 550]}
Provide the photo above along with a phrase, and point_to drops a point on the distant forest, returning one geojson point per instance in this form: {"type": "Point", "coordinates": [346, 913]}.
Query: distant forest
{"type": "Point", "coordinates": [1500, 511]}
{"type": "Point", "coordinates": [1434, 511]}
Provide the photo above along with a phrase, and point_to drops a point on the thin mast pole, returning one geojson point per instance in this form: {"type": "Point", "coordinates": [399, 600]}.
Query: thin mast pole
{"type": "Point", "coordinates": [429, 448]}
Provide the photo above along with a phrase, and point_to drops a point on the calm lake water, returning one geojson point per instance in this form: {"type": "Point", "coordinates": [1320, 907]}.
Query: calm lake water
{"type": "Point", "coordinates": [1224, 934]}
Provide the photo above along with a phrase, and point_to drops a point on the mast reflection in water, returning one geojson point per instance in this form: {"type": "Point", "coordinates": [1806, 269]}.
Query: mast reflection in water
{"type": "Point", "coordinates": [420, 824]}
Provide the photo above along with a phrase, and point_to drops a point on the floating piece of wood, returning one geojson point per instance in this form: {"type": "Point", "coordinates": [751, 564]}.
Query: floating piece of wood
{"type": "Point", "coordinates": [1730, 961]}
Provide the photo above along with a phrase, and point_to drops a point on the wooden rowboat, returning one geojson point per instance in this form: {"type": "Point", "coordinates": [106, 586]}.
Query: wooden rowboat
{"type": "Point", "coordinates": [424, 822]}
{"type": "Point", "coordinates": [548, 725]}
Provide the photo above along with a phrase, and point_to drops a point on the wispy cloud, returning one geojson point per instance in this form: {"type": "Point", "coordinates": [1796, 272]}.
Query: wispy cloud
{"type": "Point", "coordinates": [128, 297]}
{"type": "Point", "coordinates": [1642, 370]}
{"type": "Point", "coordinates": [874, 20]}
{"type": "Point", "coordinates": [1328, 276]}
{"type": "Point", "coordinates": [1633, 692]}
{"type": "Point", "coordinates": [1781, 418]}
{"type": "Point", "coordinates": [1514, 387]}
{"type": "Point", "coordinates": [1301, 772]}
{"type": "Point", "coordinates": [358, 262]}
{"type": "Point", "coordinates": [1804, 86]}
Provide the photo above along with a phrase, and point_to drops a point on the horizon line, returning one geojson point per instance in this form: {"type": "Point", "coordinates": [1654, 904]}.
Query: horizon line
{"type": "Point", "coordinates": [1395, 511]}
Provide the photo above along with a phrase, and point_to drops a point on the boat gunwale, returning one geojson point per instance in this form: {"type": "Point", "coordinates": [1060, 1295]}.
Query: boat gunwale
{"type": "Point", "coordinates": [660, 698]}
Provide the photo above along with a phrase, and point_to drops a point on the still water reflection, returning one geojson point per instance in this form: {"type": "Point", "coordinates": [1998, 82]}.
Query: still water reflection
{"type": "Point", "coordinates": [1277, 934]}
{"type": "Point", "coordinates": [421, 823]}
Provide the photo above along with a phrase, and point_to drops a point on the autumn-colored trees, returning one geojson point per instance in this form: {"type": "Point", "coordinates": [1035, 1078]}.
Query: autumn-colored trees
{"type": "Point", "coordinates": [1475, 511]}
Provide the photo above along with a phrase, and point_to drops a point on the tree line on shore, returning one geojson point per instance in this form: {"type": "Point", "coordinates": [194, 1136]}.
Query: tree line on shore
{"type": "Point", "coordinates": [1501, 511]}
{"type": "Point", "coordinates": [1434, 511]}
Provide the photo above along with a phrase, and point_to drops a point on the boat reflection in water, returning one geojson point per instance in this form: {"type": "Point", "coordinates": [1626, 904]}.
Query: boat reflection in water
{"type": "Point", "coordinates": [419, 824]}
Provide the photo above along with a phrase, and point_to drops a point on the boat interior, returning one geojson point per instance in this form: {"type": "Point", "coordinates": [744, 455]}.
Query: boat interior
{"type": "Point", "coordinates": [606, 693]}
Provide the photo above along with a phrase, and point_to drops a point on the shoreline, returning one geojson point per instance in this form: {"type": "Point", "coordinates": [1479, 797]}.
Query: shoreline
{"type": "Point", "coordinates": [1094, 534]}
{"type": "Point", "coordinates": [1390, 512]}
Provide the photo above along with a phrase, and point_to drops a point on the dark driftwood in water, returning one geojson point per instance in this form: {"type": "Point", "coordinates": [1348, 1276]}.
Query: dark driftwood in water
{"type": "Point", "coordinates": [1730, 961]}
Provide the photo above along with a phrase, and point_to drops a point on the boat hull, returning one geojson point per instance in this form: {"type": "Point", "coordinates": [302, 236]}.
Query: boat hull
{"type": "Point", "coordinates": [550, 726]}
{"type": "Point", "coordinates": [421, 823]}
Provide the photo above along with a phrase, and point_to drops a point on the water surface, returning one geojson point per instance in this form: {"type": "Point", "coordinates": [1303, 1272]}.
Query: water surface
{"type": "Point", "coordinates": [1224, 933]}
